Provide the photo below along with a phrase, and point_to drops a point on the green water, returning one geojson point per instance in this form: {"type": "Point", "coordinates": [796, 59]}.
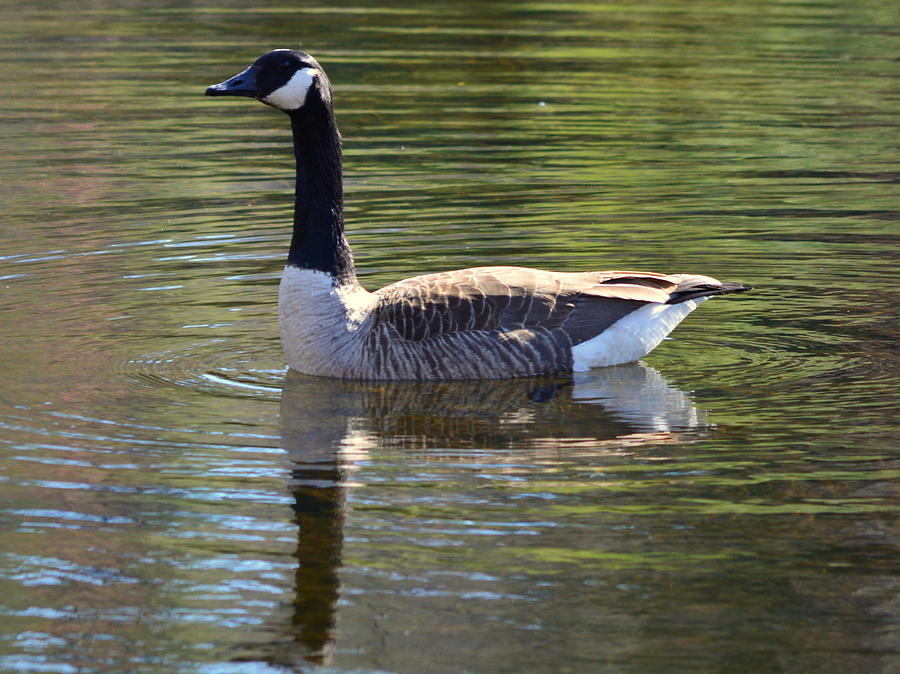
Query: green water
{"type": "Point", "coordinates": [172, 501]}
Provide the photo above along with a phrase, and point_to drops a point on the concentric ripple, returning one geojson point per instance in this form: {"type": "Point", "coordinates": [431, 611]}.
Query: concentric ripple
{"type": "Point", "coordinates": [220, 366]}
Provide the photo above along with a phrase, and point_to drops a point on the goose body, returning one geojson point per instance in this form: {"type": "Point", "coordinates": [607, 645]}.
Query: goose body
{"type": "Point", "coordinates": [478, 323]}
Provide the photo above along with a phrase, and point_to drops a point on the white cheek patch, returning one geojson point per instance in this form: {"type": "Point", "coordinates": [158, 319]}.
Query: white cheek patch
{"type": "Point", "coordinates": [292, 95]}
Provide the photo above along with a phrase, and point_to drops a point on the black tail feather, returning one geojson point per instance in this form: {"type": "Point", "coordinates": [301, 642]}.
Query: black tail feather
{"type": "Point", "coordinates": [693, 288]}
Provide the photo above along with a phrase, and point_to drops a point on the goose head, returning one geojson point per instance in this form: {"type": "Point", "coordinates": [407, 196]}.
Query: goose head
{"type": "Point", "coordinates": [282, 78]}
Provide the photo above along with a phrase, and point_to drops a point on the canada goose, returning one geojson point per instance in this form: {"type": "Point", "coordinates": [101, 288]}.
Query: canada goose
{"type": "Point", "coordinates": [479, 323]}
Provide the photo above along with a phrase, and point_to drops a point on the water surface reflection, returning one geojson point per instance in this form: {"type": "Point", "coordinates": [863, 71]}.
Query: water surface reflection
{"type": "Point", "coordinates": [329, 426]}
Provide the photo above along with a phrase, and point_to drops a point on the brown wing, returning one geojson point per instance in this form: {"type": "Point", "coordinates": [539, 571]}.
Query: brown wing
{"type": "Point", "coordinates": [511, 298]}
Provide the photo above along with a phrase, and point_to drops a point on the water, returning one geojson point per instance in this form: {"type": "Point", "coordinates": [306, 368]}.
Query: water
{"type": "Point", "coordinates": [172, 501]}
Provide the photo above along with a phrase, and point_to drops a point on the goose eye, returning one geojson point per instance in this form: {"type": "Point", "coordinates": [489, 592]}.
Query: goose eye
{"type": "Point", "coordinates": [285, 66]}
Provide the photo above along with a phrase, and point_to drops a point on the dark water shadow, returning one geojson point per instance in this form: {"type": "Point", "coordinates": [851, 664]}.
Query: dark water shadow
{"type": "Point", "coordinates": [327, 426]}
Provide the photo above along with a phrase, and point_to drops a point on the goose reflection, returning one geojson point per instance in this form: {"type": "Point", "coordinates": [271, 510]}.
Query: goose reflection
{"type": "Point", "coordinates": [328, 426]}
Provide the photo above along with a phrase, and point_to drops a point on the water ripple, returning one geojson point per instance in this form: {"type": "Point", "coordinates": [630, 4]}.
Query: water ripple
{"type": "Point", "coordinates": [217, 367]}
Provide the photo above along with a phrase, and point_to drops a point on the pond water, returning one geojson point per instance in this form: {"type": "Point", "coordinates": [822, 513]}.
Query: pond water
{"type": "Point", "coordinates": [171, 500]}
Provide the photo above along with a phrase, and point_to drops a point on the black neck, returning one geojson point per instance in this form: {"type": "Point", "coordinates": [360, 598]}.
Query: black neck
{"type": "Point", "coordinates": [318, 241]}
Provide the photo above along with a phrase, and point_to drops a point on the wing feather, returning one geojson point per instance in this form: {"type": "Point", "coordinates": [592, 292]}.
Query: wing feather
{"type": "Point", "coordinates": [506, 299]}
